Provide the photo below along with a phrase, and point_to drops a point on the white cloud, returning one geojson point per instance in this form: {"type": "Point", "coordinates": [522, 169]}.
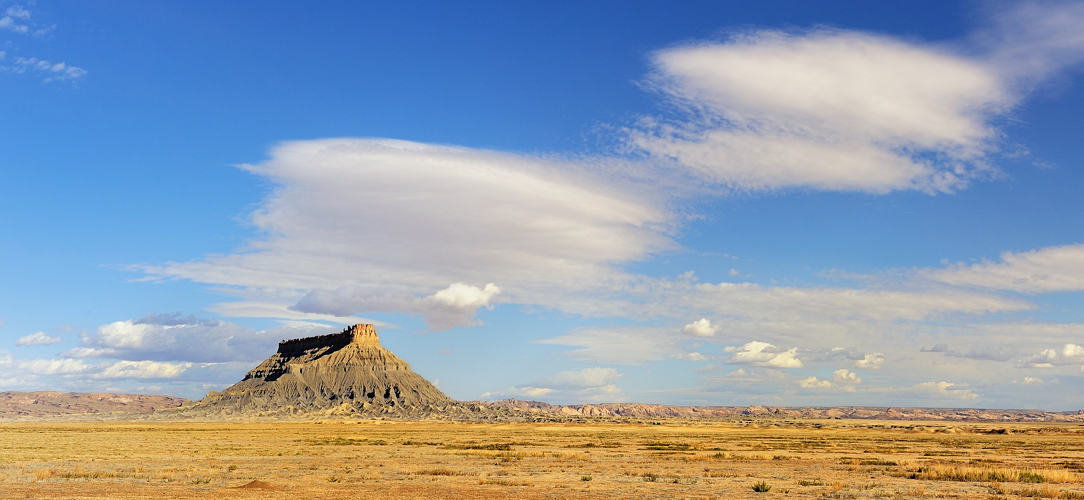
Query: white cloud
{"type": "Point", "coordinates": [587, 377]}
{"type": "Point", "coordinates": [172, 337]}
{"type": "Point", "coordinates": [447, 308]}
{"type": "Point", "coordinates": [943, 390]}
{"type": "Point", "coordinates": [926, 391]}
{"type": "Point", "coordinates": [1028, 41]}
{"type": "Point", "coordinates": [1031, 381]}
{"type": "Point", "coordinates": [691, 356]}
{"type": "Point", "coordinates": [1051, 269]}
{"type": "Point", "coordinates": [750, 300]}
{"type": "Point", "coordinates": [985, 353]}
{"type": "Point", "coordinates": [388, 221]}
{"type": "Point", "coordinates": [1069, 354]}
{"type": "Point", "coordinates": [826, 109]}
{"type": "Point", "coordinates": [845, 376]}
{"type": "Point", "coordinates": [700, 328]}
{"type": "Point", "coordinates": [812, 383]}
{"type": "Point", "coordinates": [870, 362]}
{"type": "Point", "coordinates": [54, 366]}
{"type": "Point", "coordinates": [587, 385]}
{"type": "Point", "coordinates": [618, 345]}
{"type": "Point", "coordinates": [17, 12]}
{"type": "Point", "coordinates": [764, 354]}
{"type": "Point", "coordinates": [141, 370]}
{"type": "Point", "coordinates": [37, 338]}
{"type": "Point", "coordinates": [52, 71]}
{"type": "Point", "coordinates": [8, 23]}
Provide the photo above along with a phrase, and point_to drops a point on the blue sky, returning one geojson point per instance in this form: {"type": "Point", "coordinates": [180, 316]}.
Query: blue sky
{"type": "Point", "coordinates": [784, 203]}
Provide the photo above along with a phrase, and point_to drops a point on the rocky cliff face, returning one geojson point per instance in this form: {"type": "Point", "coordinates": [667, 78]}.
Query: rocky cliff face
{"type": "Point", "coordinates": [348, 371]}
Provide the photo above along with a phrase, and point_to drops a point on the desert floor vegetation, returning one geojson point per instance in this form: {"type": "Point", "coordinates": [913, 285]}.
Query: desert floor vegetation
{"type": "Point", "coordinates": [664, 459]}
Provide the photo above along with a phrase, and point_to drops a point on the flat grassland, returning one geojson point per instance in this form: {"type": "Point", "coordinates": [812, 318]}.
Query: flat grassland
{"type": "Point", "coordinates": [666, 459]}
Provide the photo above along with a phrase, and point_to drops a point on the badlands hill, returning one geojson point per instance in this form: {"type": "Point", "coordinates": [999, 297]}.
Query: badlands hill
{"type": "Point", "coordinates": [640, 410]}
{"type": "Point", "coordinates": [342, 373]}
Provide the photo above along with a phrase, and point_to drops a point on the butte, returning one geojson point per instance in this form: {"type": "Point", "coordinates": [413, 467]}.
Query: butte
{"type": "Point", "coordinates": [341, 373]}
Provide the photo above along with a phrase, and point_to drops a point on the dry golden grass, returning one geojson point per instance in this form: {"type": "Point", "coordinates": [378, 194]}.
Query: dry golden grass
{"type": "Point", "coordinates": [674, 459]}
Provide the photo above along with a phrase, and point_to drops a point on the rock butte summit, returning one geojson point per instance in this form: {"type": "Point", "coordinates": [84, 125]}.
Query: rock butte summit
{"type": "Point", "coordinates": [348, 372]}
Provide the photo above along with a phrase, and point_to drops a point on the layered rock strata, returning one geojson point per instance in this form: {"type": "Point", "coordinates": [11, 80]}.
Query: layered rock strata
{"type": "Point", "coordinates": [348, 371]}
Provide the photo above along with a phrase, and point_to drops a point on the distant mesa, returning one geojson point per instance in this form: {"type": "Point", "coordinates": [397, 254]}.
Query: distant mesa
{"type": "Point", "coordinates": [20, 405]}
{"type": "Point", "coordinates": [349, 372]}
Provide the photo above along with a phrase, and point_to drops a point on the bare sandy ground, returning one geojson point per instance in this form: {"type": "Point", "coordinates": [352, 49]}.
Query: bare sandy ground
{"type": "Point", "coordinates": [674, 459]}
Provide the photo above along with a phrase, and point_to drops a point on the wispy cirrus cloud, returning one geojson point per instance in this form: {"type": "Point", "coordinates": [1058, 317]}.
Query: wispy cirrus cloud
{"type": "Point", "coordinates": [594, 384]}
{"type": "Point", "coordinates": [18, 19]}
{"type": "Point", "coordinates": [50, 71]}
{"type": "Point", "coordinates": [622, 345]}
{"type": "Point", "coordinates": [1045, 270]}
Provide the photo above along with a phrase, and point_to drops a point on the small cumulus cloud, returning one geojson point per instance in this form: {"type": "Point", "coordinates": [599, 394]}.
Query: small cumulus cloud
{"type": "Point", "coordinates": [1034, 381]}
{"type": "Point", "coordinates": [37, 338]}
{"type": "Point", "coordinates": [813, 383]}
{"type": "Point", "coordinates": [700, 328]}
{"type": "Point", "coordinates": [1069, 354]}
{"type": "Point", "coordinates": [845, 376]}
{"type": "Point", "coordinates": [870, 361]}
{"type": "Point", "coordinates": [691, 356]}
{"type": "Point", "coordinates": [764, 354]}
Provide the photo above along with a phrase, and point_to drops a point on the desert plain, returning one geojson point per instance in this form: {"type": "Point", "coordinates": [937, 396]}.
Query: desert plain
{"type": "Point", "coordinates": [667, 458]}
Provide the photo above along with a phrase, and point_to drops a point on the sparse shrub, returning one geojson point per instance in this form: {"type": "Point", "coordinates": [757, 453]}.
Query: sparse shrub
{"type": "Point", "coordinates": [806, 482]}
{"type": "Point", "coordinates": [1046, 491]}
{"type": "Point", "coordinates": [1031, 477]}
{"type": "Point", "coordinates": [442, 472]}
{"type": "Point", "coordinates": [762, 487]}
{"type": "Point", "coordinates": [650, 477]}
{"type": "Point", "coordinates": [585, 478]}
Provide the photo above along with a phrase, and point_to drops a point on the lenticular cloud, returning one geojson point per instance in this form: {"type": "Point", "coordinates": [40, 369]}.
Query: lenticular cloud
{"type": "Point", "coordinates": [829, 110]}
{"type": "Point", "coordinates": [359, 225]}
